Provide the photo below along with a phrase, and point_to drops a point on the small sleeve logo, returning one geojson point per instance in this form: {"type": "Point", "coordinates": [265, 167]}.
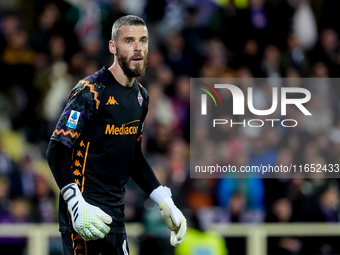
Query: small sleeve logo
{"type": "Point", "coordinates": [73, 119]}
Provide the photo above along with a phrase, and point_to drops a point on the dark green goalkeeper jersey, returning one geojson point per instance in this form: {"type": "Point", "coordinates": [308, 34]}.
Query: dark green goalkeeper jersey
{"type": "Point", "coordinates": [102, 123]}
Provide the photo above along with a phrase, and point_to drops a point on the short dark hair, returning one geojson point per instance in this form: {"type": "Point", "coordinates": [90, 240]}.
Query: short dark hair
{"type": "Point", "coordinates": [128, 20]}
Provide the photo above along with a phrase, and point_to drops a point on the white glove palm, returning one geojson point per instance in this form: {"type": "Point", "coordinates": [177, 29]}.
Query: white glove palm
{"type": "Point", "coordinates": [171, 215]}
{"type": "Point", "coordinates": [88, 220]}
{"type": "Point", "coordinates": [175, 221]}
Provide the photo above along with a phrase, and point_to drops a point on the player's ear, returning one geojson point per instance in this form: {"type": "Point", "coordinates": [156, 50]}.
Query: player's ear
{"type": "Point", "coordinates": [112, 47]}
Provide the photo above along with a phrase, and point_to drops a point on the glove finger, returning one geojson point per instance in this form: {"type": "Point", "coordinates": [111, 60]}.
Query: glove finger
{"type": "Point", "coordinates": [100, 225]}
{"type": "Point", "coordinates": [178, 242]}
{"type": "Point", "coordinates": [180, 233]}
{"type": "Point", "coordinates": [96, 233]}
{"type": "Point", "coordinates": [82, 234]}
{"type": "Point", "coordinates": [86, 234]}
{"type": "Point", "coordinates": [103, 215]}
{"type": "Point", "coordinates": [168, 220]}
{"type": "Point", "coordinates": [173, 239]}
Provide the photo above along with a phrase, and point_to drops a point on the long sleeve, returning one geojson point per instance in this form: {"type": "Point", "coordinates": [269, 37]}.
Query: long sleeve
{"type": "Point", "coordinates": [142, 172]}
{"type": "Point", "coordinates": [59, 159]}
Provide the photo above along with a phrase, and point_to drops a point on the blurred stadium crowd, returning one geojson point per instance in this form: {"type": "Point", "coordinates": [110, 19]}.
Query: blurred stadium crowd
{"type": "Point", "coordinates": [46, 46]}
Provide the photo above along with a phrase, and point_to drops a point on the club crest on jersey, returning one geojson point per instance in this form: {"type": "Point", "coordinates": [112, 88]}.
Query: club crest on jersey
{"type": "Point", "coordinates": [73, 119]}
{"type": "Point", "coordinates": [140, 98]}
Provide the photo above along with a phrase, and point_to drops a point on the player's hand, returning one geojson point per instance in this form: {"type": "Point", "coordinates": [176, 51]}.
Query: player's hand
{"type": "Point", "coordinates": [88, 220]}
{"type": "Point", "coordinates": [171, 215]}
{"type": "Point", "coordinates": [175, 221]}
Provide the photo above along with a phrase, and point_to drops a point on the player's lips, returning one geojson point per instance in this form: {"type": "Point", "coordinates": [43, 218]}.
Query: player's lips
{"type": "Point", "coordinates": [137, 60]}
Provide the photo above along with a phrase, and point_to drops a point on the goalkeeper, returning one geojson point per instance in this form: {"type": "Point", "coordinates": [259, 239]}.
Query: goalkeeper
{"type": "Point", "coordinates": [96, 147]}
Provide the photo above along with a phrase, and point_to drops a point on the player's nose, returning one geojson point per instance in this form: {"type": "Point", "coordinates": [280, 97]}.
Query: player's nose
{"type": "Point", "coordinates": [137, 47]}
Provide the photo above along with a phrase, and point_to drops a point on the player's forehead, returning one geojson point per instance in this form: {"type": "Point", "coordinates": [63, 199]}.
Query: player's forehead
{"type": "Point", "coordinates": [132, 31]}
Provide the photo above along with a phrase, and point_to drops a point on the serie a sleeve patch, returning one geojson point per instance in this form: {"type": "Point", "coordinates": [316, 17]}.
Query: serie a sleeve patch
{"type": "Point", "coordinates": [73, 119]}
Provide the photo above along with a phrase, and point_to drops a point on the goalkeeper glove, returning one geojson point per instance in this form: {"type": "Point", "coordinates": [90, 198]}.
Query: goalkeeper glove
{"type": "Point", "coordinates": [171, 215]}
{"type": "Point", "coordinates": [88, 220]}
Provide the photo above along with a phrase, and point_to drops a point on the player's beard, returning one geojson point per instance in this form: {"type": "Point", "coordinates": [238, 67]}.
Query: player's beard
{"type": "Point", "coordinates": [124, 62]}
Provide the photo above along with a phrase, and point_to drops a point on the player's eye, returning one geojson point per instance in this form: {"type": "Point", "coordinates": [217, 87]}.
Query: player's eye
{"type": "Point", "coordinates": [145, 40]}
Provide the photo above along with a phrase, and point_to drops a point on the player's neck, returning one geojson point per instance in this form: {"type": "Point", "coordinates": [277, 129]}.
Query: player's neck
{"type": "Point", "coordinates": [120, 76]}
